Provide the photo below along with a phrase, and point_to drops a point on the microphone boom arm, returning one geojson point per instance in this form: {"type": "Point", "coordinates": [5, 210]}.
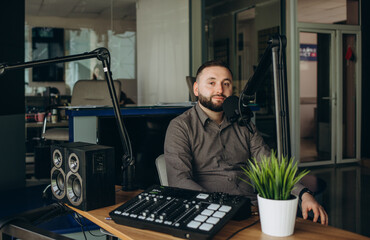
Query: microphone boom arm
{"type": "Point", "coordinates": [274, 54]}
{"type": "Point", "coordinates": [103, 55]}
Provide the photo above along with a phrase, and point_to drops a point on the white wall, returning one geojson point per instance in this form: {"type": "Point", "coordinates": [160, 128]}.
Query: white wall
{"type": "Point", "coordinates": [162, 50]}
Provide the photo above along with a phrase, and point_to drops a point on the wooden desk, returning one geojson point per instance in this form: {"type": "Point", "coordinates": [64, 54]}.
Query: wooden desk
{"type": "Point", "coordinates": [304, 229]}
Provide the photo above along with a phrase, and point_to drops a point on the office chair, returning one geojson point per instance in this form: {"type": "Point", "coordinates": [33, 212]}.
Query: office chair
{"type": "Point", "coordinates": [160, 163]}
{"type": "Point", "coordinates": [85, 92]}
{"type": "Point", "coordinates": [190, 82]}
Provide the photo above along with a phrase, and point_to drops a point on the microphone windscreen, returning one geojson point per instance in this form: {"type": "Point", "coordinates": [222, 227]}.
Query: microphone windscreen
{"type": "Point", "coordinates": [230, 107]}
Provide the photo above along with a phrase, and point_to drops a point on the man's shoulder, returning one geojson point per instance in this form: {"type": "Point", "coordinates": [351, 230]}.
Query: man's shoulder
{"type": "Point", "coordinates": [186, 116]}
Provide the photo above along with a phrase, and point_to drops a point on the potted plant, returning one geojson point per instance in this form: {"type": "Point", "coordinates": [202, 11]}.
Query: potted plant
{"type": "Point", "coordinates": [274, 181]}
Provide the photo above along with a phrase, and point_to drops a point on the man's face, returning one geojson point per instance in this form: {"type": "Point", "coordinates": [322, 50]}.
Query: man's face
{"type": "Point", "coordinates": [213, 86]}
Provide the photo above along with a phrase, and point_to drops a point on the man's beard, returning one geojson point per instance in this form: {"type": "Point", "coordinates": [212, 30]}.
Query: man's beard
{"type": "Point", "coordinates": [207, 103]}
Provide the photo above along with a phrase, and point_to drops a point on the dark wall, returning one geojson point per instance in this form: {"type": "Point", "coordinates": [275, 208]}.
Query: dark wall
{"type": "Point", "coordinates": [365, 129]}
{"type": "Point", "coordinates": [12, 120]}
{"type": "Point", "coordinates": [12, 51]}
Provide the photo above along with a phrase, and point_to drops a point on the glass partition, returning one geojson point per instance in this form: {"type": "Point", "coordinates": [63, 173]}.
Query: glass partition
{"type": "Point", "coordinates": [84, 26]}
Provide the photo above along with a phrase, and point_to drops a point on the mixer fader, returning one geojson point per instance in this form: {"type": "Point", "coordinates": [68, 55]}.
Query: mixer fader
{"type": "Point", "coordinates": [180, 212]}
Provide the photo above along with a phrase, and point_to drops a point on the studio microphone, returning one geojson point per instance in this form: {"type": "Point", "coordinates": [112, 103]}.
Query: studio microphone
{"type": "Point", "coordinates": [240, 115]}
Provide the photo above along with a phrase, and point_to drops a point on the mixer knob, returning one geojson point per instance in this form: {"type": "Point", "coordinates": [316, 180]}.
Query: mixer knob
{"type": "Point", "coordinates": [225, 196]}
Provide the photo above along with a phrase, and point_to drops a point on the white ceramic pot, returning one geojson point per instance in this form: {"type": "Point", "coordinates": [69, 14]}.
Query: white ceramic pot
{"type": "Point", "coordinates": [277, 216]}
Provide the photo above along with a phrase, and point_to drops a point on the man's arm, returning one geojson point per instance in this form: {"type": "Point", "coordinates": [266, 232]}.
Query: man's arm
{"type": "Point", "coordinates": [258, 148]}
{"type": "Point", "coordinates": [179, 157]}
{"type": "Point", "coordinates": [310, 204]}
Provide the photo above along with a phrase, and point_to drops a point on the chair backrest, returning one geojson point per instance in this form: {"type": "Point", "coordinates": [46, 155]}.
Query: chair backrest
{"type": "Point", "coordinates": [190, 81]}
{"type": "Point", "coordinates": [160, 163]}
{"type": "Point", "coordinates": [93, 92]}
{"type": "Point", "coordinates": [129, 86]}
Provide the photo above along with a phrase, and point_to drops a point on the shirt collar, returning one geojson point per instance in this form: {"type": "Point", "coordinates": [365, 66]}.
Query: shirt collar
{"type": "Point", "coordinates": [203, 117]}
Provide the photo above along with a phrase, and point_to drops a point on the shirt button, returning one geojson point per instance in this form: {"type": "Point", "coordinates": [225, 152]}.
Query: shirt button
{"type": "Point", "coordinates": [229, 179]}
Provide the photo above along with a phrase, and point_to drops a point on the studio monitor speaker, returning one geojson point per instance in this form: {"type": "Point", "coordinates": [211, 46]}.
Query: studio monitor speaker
{"type": "Point", "coordinates": [58, 163]}
{"type": "Point", "coordinates": [89, 177]}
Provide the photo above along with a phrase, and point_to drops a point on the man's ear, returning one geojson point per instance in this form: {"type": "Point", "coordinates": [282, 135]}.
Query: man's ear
{"type": "Point", "coordinates": [195, 89]}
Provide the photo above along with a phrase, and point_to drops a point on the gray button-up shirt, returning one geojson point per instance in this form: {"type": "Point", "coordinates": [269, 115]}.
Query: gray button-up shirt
{"type": "Point", "coordinates": [205, 156]}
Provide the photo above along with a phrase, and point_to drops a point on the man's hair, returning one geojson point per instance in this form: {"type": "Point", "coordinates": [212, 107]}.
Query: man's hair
{"type": "Point", "coordinates": [213, 63]}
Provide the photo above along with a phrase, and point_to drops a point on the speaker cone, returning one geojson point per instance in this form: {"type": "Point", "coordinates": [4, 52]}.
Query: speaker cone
{"type": "Point", "coordinates": [57, 158]}
{"type": "Point", "coordinates": [58, 183]}
{"type": "Point", "coordinates": [74, 188]}
{"type": "Point", "coordinates": [73, 162]}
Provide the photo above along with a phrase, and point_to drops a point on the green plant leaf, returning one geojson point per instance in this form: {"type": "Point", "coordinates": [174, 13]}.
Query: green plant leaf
{"type": "Point", "coordinates": [272, 177]}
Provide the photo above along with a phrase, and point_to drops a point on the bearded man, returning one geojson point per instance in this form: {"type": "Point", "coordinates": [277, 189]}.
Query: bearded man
{"type": "Point", "coordinates": [204, 151]}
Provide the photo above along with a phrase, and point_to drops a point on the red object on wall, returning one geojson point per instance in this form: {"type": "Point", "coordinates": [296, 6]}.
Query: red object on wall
{"type": "Point", "coordinates": [349, 54]}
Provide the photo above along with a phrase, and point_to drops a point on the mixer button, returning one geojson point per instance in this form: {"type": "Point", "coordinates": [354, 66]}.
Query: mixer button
{"type": "Point", "coordinates": [213, 206]}
{"type": "Point", "coordinates": [200, 218]}
{"type": "Point", "coordinates": [206, 226]}
{"type": "Point", "coordinates": [219, 214]}
{"type": "Point", "coordinates": [117, 212]}
{"type": "Point", "coordinates": [207, 212]}
{"type": "Point", "coordinates": [213, 220]}
{"type": "Point", "coordinates": [225, 208]}
{"type": "Point", "coordinates": [193, 224]}
{"type": "Point", "coordinates": [202, 196]}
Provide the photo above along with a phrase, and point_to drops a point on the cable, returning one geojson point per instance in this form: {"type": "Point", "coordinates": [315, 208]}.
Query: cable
{"type": "Point", "coordinates": [88, 229]}
{"type": "Point", "coordinates": [250, 225]}
{"type": "Point", "coordinates": [245, 121]}
{"type": "Point", "coordinates": [78, 219]}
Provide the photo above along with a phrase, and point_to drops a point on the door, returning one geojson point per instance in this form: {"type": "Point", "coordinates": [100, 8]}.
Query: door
{"type": "Point", "coordinates": [328, 102]}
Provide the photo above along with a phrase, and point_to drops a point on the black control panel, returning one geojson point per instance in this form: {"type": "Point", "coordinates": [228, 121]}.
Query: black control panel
{"type": "Point", "coordinates": [180, 212]}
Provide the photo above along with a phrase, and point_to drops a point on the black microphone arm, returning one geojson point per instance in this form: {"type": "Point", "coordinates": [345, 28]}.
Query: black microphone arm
{"type": "Point", "coordinates": [103, 55]}
{"type": "Point", "coordinates": [275, 54]}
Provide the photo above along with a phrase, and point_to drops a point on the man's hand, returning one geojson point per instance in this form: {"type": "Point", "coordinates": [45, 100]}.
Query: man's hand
{"type": "Point", "coordinates": [309, 203]}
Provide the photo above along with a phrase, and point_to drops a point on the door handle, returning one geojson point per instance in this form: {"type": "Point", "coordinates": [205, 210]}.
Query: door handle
{"type": "Point", "coordinates": [334, 99]}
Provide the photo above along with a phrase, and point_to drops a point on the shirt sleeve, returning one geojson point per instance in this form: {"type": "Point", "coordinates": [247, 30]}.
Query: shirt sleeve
{"type": "Point", "coordinates": [258, 147]}
{"type": "Point", "coordinates": [178, 156]}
